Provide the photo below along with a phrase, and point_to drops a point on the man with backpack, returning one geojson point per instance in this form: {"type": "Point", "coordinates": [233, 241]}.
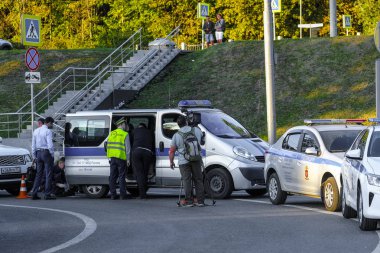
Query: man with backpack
{"type": "Point", "coordinates": [187, 142]}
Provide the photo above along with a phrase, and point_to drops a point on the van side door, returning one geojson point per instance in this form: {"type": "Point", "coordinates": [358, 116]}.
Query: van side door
{"type": "Point", "coordinates": [166, 128]}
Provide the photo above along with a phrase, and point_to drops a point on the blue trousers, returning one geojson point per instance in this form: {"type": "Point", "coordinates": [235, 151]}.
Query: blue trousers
{"type": "Point", "coordinates": [118, 167]}
{"type": "Point", "coordinates": [44, 168]}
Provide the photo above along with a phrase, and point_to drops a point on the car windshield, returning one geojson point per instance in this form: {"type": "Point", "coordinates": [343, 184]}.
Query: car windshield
{"type": "Point", "coordinates": [338, 140]}
{"type": "Point", "coordinates": [374, 145]}
{"type": "Point", "coordinates": [224, 126]}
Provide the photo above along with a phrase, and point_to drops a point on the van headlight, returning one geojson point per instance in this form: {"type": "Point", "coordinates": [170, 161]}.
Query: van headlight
{"type": "Point", "coordinates": [28, 158]}
{"type": "Point", "coordinates": [243, 152]}
{"type": "Point", "coordinates": [373, 180]}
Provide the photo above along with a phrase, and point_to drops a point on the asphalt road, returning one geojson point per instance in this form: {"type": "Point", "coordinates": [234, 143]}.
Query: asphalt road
{"type": "Point", "coordinates": [239, 224]}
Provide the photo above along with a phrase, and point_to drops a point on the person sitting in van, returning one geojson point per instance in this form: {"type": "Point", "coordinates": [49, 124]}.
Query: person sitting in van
{"type": "Point", "coordinates": [189, 168]}
{"type": "Point", "coordinates": [71, 138]}
{"type": "Point", "coordinates": [142, 154]}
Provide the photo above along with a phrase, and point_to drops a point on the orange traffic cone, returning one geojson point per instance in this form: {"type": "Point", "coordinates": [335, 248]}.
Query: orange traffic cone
{"type": "Point", "coordinates": [23, 193]}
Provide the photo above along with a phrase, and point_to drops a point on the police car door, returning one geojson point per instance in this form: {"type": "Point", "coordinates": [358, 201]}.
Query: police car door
{"type": "Point", "coordinates": [166, 127]}
{"type": "Point", "coordinates": [309, 169]}
{"type": "Point", "coordinates": [288, 161]}
{"type": "Point", "coordinates": [356, 166]}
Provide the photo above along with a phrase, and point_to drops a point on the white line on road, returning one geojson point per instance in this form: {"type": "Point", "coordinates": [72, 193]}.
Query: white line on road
{"type": "Point", "coordinates": [376, 250]}
{"type": "Point", "coordinates": [90, 227]}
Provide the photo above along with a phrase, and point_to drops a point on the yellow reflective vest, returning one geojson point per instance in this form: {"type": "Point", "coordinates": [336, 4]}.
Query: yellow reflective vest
{"type": "Point", "coordinates": [116, 144]}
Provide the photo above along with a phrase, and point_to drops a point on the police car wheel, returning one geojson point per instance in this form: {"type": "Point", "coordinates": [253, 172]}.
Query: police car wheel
{"type": "Point", "coordinates": [256, 192]}
{"type": "Point", "coordinates": [364, 223]}
{"type": "Point", "coordinates": [96, 191]}
{"type": "Point", "coordinates": [276, 195]}
{"type": "Point", "coordinates": [331, 197]}
{"type": "Point", "coordinates": [218, 183]}
{"type": "Point", "coordinates": [347, 211]}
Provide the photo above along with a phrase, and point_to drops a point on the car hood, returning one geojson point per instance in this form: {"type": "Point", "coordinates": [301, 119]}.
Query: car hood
{"type": "Point", "coordinates": [8, 150]}
{"type": "Point", "coordinates": [256, 147]}
{"type": "Point", "coordinates": [374, 165]}
{"type": "Point", "coordinates": [340, 155]}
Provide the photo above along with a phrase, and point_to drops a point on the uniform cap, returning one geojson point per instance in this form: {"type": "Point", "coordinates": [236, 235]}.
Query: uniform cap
{"type": "Point", "coordinates": [120, 121]}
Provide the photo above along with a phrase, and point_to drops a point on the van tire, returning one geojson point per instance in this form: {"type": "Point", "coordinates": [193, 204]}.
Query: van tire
{"type": "Point", "coordinates": [218, 183]}
{"type": "Point", "coordinates": [96, 191]}
{"type": "Point", "coordinates": [276, 195]}
{"type": "Point", "coordinates": [330, 195]}
{"type": "Point", "coordinates": [256, 192]}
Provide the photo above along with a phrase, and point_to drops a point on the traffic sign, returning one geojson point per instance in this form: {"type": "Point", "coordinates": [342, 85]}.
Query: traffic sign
{"type": "Point", "coordinates": [31, 30]}
{"type": "Point", "coordinates": [377, 36]}
{"type": "Point", "coordinates": [32, 77]}
{"type": "Point", "coordinates": [32, 59]}
{"type": "Point", "coordinates": [203, 10]}
{"type": "Point", "coordinates": [347, 21]}
{"type": "Point", "coordinates": [276, 5]}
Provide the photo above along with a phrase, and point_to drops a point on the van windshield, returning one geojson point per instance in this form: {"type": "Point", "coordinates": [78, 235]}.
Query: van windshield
{"type": "Point", "coordinates": [224, 126]}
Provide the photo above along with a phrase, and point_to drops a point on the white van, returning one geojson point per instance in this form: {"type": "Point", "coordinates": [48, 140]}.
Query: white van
{"type": "Point", "coordinates": [233, 157]}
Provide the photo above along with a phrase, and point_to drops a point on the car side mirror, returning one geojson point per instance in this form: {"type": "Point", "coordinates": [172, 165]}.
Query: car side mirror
{"type": "Point", "coordinates": [312, 151]}
{"type": "Point", "coordinates": [353, 154]}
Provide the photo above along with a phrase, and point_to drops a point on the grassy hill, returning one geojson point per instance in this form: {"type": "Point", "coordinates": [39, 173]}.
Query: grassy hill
{"type": "Point", "coordinates": [314, 78]}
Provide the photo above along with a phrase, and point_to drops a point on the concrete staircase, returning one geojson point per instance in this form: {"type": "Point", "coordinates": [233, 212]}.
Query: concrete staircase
{"type": "Point", "coordinates": [133, 74]}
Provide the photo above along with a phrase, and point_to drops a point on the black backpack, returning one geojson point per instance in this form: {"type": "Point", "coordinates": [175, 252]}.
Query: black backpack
{"type": "Point", "coordinates": [192, 150]}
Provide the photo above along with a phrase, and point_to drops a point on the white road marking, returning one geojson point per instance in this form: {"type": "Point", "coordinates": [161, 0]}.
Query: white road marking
{"type": "Point", "coordinates": [89, 229]}
{"type": "Point", "coordinates": [376, 250]}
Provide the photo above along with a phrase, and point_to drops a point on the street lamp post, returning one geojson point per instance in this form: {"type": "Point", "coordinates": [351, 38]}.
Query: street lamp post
{"type": "Point", "coordinates": [333, 29]}
{"type": "Point", "coordinates": [269, 71]}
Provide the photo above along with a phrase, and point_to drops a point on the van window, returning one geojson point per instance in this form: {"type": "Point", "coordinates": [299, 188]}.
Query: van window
{"type": "Point", "coordinates": [90, 132]}
{"type": "Point", "coordinates": [169, 124]}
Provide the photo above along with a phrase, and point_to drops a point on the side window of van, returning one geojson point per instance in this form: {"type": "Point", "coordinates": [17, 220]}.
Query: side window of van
{"type": "Point", "coordinates": [169, 124]}
{"type": "Point", "coordinates": [88, 132]}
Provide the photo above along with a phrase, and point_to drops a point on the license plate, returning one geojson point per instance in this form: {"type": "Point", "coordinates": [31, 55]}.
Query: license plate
{"type": "Point", "coordinates": [10, 170]}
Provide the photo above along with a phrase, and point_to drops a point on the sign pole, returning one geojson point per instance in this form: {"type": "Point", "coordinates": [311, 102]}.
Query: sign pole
{"type": "Point", "coordinates": [203, 34]}
{"type": "Point", "coordinates": [274, 26]}
{"type": "Point", "coordinates": [300, 19]}
{"type": "Point", "coordinates": [32, 105]}
{"type": "Point", "coordinates": [377, 88]}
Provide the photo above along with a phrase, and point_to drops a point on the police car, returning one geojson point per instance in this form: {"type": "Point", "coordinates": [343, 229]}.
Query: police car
{"type": "Point", "coordinates": [361, 178]}
{"type": "Point", "coordinates": [307, 159]}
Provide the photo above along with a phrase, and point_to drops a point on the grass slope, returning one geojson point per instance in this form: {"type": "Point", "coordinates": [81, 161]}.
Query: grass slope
{"type": "Point", "coordinates": [14, 92]}
{"type": "Point", "coordinates": [314, 78]}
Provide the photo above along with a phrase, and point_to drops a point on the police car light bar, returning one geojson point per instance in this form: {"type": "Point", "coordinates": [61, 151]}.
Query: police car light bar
{"type": "Point", "coordinates": [374, 120]}
{"type": "Point", "coordinates": [334, 121]}
{"type": "Point", "coordinates": [194, 103]}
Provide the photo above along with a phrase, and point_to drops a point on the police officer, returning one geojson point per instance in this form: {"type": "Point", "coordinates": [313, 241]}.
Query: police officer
{"type": "Point", "coordinates": [142, 157]}
{"type": "Point", "coordinates": [118, 150]}
{"type": "Point", "coordinates": [43, 151]}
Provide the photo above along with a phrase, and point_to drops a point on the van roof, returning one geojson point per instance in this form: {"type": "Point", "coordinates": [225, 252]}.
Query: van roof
{"type": "Point", "coordinates": [102, 112]}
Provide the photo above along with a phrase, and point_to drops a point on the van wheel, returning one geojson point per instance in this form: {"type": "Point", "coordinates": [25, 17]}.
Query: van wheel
{"type": "Point", "coordinates": [13, 191]}
{"type": "Point", "coordinates": [256, 192]}
{"type": "Point", "coordinates": [330, 193]}
{"type": "Point", "coordinates": [133, 191]}
{"type": "Point", "coordinates": [347, 211]}
{"type": "Point", "coordinates": [364, 223]}
{"type": "Point", "coordinates": [276, 195]}
{"type": "Point", "coordinates": [218, 183]}
{"type": "Point", "coordinates": [96, 191]}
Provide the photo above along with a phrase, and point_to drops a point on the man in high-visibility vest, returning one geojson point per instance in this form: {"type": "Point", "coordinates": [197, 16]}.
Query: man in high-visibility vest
{"type": "Point", "coordinates": [118, 150]}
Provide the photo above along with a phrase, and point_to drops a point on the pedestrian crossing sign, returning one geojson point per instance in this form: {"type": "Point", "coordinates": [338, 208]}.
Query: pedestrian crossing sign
{"type": "Point", "coordinates": [31, 30]}
{"type": "Point", "coordinates": [203, 10]}
{"type": "Point", "coordinates": [276, 5]}
{"type": "Point", "coordinates": [347, 21]}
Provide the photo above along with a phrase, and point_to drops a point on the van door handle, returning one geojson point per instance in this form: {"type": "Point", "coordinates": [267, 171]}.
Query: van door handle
{"type": "Point", "coordinates": [299, 163]}
{"type": "Point", "coordinates": [162, 146]}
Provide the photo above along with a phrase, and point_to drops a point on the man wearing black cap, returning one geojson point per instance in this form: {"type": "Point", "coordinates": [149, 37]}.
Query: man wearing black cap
{"type": "Point", "coordinates": [118, 150]}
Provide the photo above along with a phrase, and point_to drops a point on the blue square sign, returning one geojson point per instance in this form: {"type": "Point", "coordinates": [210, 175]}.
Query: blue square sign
{"type": "Point", "coordinates": [31, 30]}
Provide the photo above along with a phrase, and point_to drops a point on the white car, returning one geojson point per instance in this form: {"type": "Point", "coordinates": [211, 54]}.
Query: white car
{"type": "Point", "coordinates": [14, 162]}
{"type": "Point", "coordinates": [361, 179]}
{"type": "Point", "coordinates": [307, 159]}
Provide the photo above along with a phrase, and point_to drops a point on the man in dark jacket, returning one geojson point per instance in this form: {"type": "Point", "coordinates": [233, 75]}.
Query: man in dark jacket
{"type": "Point", "coordinates": [208, 28]}
{"type": "Point", "coordinates": [142, 156]}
